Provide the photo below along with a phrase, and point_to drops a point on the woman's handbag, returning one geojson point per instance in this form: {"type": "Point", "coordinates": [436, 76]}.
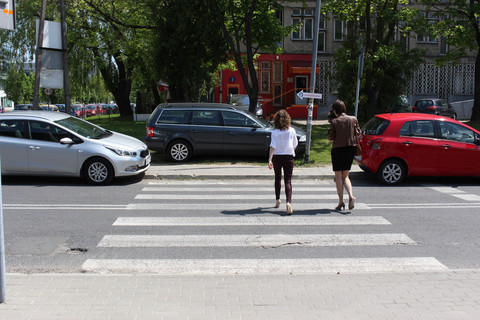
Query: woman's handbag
{"type": "Point", "coordinates": [358, 146]}
{"type": "Point", "coordinates": [358, 149]}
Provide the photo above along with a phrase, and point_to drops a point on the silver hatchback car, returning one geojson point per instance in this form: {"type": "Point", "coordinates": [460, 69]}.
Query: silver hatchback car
{"type": "Point", "coordinates": [54, 143]}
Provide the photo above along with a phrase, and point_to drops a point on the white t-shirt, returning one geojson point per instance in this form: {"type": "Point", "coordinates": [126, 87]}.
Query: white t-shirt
{"type": "Point", "coordinates": [284, 141]}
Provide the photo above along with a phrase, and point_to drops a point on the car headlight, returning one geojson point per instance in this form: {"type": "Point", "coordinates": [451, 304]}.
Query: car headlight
{"type": "Point", "coordinates": [302, 138]}
{"type": "Point", "coordinates": [122, 152]}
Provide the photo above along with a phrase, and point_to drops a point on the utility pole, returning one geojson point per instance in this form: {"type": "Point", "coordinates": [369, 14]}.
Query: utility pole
{"type": "Point", "coordinates": [312, 82]}
{"type": "Point", "coordinates": [38, 56]}
{"type": "Point", "coordinates": [66, 81]}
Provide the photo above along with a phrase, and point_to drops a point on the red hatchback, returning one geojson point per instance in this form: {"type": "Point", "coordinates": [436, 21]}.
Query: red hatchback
{"type": "Point", "coordinates": [397, 145]}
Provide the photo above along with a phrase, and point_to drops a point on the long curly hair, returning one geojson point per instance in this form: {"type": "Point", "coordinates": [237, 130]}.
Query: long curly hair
{"type": "Point", "coordinates": [282, 120]}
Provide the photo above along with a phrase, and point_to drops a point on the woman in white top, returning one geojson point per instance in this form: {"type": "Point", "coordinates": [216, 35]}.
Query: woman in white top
{"type": "Point", "coordinates": [282, 152]}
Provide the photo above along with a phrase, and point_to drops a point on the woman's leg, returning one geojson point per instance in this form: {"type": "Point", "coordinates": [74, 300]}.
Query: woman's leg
{"type": "Point", "coordinates": [347, 183]}
{"type": "Point", "coordinates": [339, 185]}
{"type": "Point", "coordinates": [288, 171]}
{"type": "Point", "coordinates": [277, 168]}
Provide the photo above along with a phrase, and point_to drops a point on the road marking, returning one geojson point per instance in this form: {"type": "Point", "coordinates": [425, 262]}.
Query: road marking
{"type": "Point", "coordinates": [262, 266]}
{"type": "Point", "coordinates": [449, 190]}
{"type": "Point", "coordinates": [234, 207]}
{"type": "Point", "coordinates": [250, 183]}
{"type": "Point", "coordinates": [230, 197]}
{"type": "Point", "coordinates": [457, 193]}
{"type": "Point", "coordinates": [467, 197]}
{"type": "Point", "coordinates": [250, 221]}
{"type": "Point", "coordinates": [255, 240]}
{"type": "Point", "coordinates": [222, 188]}
{"type": "Point", "coordinates": [421, 205]}
{"type": "Point", "coordinates": [65, 206]}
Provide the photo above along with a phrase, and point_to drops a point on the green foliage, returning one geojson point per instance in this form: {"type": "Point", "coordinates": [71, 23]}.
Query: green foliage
{"type": "Point", "coordinates": [187, 48]}
{"type": "Point", "coordinates": [19, 86]}
{"type": "Point", "coordinates": [388, 65]}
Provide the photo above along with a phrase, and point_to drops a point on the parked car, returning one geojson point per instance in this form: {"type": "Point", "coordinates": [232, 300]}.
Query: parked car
{"type": "Point", "coordinates": [2, 109]}
{"type": "Point", "coordinates": [49, 107]}
{"type": "Point", "coordinates": [61, 107]}
{"type": "Point", "coordinates": [242, 102]}
{"type": "Point", "coordinates": [435, 106]}
{"type": "Point", "coordinates": [397, 145]}
{"type": "Point", "coordinates": [79, 110]}
{"type": "Point", "coordinates": [183, 129]}
{"type": "Point", "coordinates": [54, 143]}
{"type": "Point", "coordinates": [91, 110]}
{"type": "Point", "coordinates": [24, 107]}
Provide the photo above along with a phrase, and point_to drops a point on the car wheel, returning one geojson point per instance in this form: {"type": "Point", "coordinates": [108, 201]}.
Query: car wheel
{"type": "Point", "coordinates": [391, 172]}
{"type": "Point", "coordinates": [98, 171]}
{"type": "Point", "coordinates": [179, 151]}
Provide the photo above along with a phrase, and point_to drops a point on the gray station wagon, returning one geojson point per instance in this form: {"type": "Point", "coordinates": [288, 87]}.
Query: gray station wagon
{"type": "Point", "coordinates": [181, 130]}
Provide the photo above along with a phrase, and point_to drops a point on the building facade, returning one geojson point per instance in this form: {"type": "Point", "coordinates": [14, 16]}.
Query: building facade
{"type": "Point", "coordinates": [282, 76]}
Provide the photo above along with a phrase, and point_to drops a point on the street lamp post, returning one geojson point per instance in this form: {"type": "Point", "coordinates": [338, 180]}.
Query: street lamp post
{"type": "Point", "coordinates": [312, 82]}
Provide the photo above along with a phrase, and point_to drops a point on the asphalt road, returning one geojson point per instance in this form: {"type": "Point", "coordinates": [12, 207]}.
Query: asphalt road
{"type": "Point", "coordinates": [202, 226]}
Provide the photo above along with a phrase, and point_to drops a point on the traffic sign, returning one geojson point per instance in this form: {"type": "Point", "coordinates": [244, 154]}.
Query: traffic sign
{"type": "Point", "coordinates": [48, 91]}
{"type": "Point", "coordinates": [305, 95]}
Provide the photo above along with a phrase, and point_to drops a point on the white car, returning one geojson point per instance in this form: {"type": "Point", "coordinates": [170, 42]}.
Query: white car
{"type": "Point", "coordinates": [54, 143]}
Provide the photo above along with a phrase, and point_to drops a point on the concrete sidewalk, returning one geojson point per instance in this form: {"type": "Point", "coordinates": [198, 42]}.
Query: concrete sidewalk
{"type": "Point", "coordinates": [434, 295]}
{"type": "Point", "coordinates": [236, 171]}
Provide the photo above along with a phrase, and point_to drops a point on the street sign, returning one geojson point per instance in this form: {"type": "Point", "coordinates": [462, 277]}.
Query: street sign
{"type": "Point", "coordinates": [305, 95]}
{"type": "Point", "coordinates": [48, 91]}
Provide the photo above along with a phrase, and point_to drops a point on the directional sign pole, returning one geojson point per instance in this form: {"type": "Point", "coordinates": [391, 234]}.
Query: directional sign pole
{"type": "Point", "coordinates": [312, 82]}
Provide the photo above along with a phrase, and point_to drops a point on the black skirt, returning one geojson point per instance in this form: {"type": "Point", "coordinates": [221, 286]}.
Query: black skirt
{"type": "Point", "coordinates": [342, 158]}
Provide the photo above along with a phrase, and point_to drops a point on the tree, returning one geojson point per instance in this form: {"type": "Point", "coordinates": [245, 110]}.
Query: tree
{"type": "Point", "coordinates": [460, 25]}
{"type": "Point", "coordinates": [249, 27]}
{"type": "Point", "coordinates": [188, 47]}
{"type": "Point", "coordinates": [371, 28]}
{"type": "Point", "coordinates": [19, 86]}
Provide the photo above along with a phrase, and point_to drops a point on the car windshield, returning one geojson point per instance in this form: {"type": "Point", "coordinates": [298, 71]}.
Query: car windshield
{"type": "Point", "coordinates": [375, 126]}
{"type": "Point", "coordinates": [84, 128]}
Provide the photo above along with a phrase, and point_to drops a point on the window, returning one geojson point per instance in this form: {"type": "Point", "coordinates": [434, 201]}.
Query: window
{"type": "Point", "coordinates": [426, 37]}
{"type": "Point", "coordinates": [338, 31]}
{"type": "Point", "coordinates": [308, 29]}
{"type": "Point", "coordinates": [206, 117]}
{"type": "Point", "coordinates": [322, 41]}
{"type": "Point", "coordinates": [12, 128]}
{"type": "Point", "coordinates": [277, 72]}
{"type": "Point", "coordinates": [233, 119]}
{"type": "Point", "coordinates": [48, 132]}
{"type": "Point", "coordinates": [420, 128]}
{"type": "Point", "coordinates": [175, 116]}
{"type": "Point", "coordinates": [456, 132]}
{"type": "Point", "coordinates": [303, 20]}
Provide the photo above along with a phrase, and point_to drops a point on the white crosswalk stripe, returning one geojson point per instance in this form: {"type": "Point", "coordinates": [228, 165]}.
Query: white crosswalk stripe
{"type": "Point", "coordinates": [250, 221]}
{"type": "Point", "coordinates": [254, 240]}
{"type": "Point", "coordinates": [262, 266]}
{"type": "Point", "coordinates": [456, 192]}
{"type": "Point", "coordinates": [206, 206]}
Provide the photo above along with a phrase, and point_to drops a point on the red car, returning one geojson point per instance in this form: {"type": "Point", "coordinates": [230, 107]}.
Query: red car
{"type": "Point", "coordinates": [414, 144]}
{"type": "Point", "coordinates": [91, 110]}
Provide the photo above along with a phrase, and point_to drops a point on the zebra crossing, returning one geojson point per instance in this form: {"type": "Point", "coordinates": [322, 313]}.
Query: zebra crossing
{"type": "Point", "coordinates": [246, 208]}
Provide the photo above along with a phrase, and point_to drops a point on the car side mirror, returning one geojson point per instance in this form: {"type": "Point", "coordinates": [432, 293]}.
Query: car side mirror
{"type": "Point", "coordinates": [66, 140]}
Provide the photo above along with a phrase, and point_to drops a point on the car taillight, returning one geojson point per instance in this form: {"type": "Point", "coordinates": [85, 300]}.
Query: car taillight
{"type": "Point", "coordinates": [431, 108]}
{"type": "Point", "coordinates": [414, 109]}
{"type": "Point", "coordinates": [376, 144]}
{"type": "Point", "coordinates": [149, 132]}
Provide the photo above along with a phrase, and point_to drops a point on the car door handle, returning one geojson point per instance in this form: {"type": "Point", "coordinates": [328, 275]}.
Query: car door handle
{"type": "Point", "coordinates": [446, 146]}
{"type": "Point", "coordinates": [34, 148]}
{"type": "Point", "coordinates": [407, 142]}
